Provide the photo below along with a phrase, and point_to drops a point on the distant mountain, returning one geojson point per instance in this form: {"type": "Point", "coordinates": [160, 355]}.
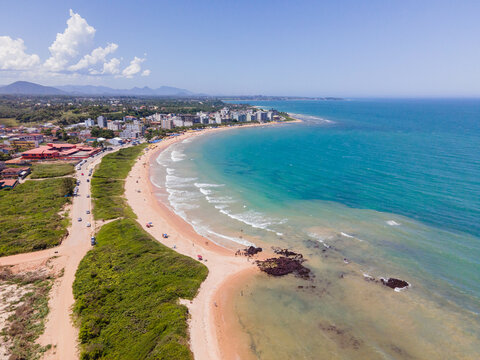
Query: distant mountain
{"type": "Point", "coordinates": [28, 88]}
{"type": "Point", "coordinates": [136, 91]}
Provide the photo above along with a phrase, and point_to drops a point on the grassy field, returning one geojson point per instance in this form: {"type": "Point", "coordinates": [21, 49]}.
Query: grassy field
{"type": "Point", "coordinates": [40, 171]}
{"type": "Point", "coordinates": [108, 182]}
{"type": "Point", "coordinates": [8, 122]}
{"type": "Point", "coordinates": [127, 289]}
{"type": "Point", "coordinates": [29, 215]}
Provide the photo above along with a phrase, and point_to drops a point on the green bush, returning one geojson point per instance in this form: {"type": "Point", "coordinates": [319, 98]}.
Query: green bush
{"type": "Point", "coordinates": [29, 215]}
{"type": "Point", "coordinates": [127, 289]}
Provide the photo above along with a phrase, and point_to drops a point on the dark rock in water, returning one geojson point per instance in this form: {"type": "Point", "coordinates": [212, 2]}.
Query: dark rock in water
{"type": "Point", "coordinates": [395, 283]}
{"type": "Point", "coordinates": [252, 250]}
{"type": "Point", "coordinates": [283, 266]}
{"type": "Point", "coordinates": [287, 253]}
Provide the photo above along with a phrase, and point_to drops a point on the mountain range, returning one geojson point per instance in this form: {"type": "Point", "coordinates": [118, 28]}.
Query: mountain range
{"type": "Point", "coordinates": [29, 88]}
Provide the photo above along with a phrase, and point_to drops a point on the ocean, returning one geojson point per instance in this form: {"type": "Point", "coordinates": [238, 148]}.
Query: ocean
{"type": "Point", "coordinates": [364, 189]}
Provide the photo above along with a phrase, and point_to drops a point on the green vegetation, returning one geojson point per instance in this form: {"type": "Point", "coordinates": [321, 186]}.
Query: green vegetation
{"type": "Point", "coordinates": [28, 314]}
{"type": "Point", "coordinates": [40, 170]}
{"type": "Point", "coordinates": [29, 215]}
{"type": "Point", "coordinates": [286, 116]}
{"type": "Point", "coordinates": [108, 182]}
{"type": "Point", "coordinates": [127, 289]}
{"type": "Point", "coordinates": [10, 122]}
{"type": "Point", "coordinates": [105, 133]}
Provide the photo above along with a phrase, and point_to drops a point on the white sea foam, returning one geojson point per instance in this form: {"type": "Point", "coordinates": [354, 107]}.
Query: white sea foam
{"type": "Point", "coordinates": [152, 180]}
{"type": "Point", "coordinates": [221, 207]}
{"type": "Point", "coordinates": [319, 238]}
{"type": "Point", "coordinates": [255, 219]}
{"type": "Point", "coordinates": [177, 155]}
{"type": "Point", "coordinates": [201, 185]}
{"type": "Point", "coordinates": [350, 236]}
{"type": "Point", "coordinates": [392, 223]}
{"type": "Point", "coordinates": [170, 171]}
{"type": "Point", "coordinates": [205, 191]}
{"type": "Point", "coordinates": [234, 239]}
{"type": "Point", "coordinates": [310, 118]}
{"type": "Point", "coordinates": [177, 181]}
{"type": "Point", "coordinates": [220, 199]}
{"type": "Point", "coordinates": [162, 159]}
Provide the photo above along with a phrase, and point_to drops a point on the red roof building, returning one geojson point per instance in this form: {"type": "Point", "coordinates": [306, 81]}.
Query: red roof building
{"type": "Point", "coordinates": [60, 151]}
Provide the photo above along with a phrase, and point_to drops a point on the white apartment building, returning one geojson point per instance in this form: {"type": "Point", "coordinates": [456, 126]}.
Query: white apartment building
{"type": "Point", "coordinates": [101, 122]}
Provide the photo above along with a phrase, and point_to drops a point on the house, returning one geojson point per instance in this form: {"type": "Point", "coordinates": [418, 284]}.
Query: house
{"type": "Point", "coordinates": [13, 173]}
{"type": "Point", "coordinates": [8, 183]}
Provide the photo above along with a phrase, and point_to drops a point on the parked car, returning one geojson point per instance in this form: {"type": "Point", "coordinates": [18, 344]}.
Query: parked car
{"type": "Point", "coordinates": [88, 212]}
{"type": "Point", "coordinates": [88, 196]}
{"type": "Point", "coordinates": [93, 241]}
{"type": "Point", "coordinates": [88, 225]}
{"type": "Point", "coordinates": [79, 219]}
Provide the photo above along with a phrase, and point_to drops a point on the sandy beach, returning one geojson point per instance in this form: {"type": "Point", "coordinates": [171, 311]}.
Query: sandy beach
{"type": "Point", "coordinates": [214, 331]}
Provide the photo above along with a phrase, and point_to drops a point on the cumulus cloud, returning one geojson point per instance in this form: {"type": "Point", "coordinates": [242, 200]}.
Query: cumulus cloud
{"type": "Point", "coordinates": [13, 55]}
{"type": "Point", "coordinates": [112, 67]}
{"type": "Point", "coordinates": [98, 55]}
{"type": "Point", "coordinates": [134, 67]}
{"type": "Point", "coordinates": [67, 44]}
{"type": "Point", "coordinates": [71, 55]}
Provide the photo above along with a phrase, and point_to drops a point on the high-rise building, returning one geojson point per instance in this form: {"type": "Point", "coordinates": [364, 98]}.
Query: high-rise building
{"type": "Point", "coordinates": [89, 122]}
{"type": "Point", "coordinates": [167, 124]}
{"type": "Point", "coordinates": [101, 122]}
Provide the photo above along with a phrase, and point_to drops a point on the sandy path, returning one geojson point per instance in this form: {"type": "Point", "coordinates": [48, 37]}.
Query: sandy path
{"type": "Point", "coordinates": [213, 332]}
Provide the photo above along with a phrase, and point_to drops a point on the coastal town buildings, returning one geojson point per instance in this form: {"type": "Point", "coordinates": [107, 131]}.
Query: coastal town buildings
{"type": "Point", "coordinates": [89, 123]}
{"type": "Point", "coordinates": [114, 125]}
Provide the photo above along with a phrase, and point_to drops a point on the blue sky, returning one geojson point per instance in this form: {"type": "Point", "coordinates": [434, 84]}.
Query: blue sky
{"type": "Point", "coordinates": [313, 48]}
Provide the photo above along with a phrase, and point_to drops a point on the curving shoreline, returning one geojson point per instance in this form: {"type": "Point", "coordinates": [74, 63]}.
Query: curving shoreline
{"type": "Point", "coordinates": [214, 331]}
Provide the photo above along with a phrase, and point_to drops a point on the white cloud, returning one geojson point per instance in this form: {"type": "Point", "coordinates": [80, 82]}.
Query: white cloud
{"type": "Point", "coordinates": [71, 56]}
{"type": "Point", "coordinates": [98, 55]}
{"type": "Point", "coordinates": [67, 44]}
{"type": "Point", "coordinates": [134, 67]}
{"type": "Point", "coordinates": [13, 56]}
{"type": "Point", "coordinates": [112, 67]}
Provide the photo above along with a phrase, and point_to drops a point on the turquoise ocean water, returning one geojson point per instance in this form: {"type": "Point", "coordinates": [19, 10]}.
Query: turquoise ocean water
{"type": "Point", "coordinates": [391, 186]}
